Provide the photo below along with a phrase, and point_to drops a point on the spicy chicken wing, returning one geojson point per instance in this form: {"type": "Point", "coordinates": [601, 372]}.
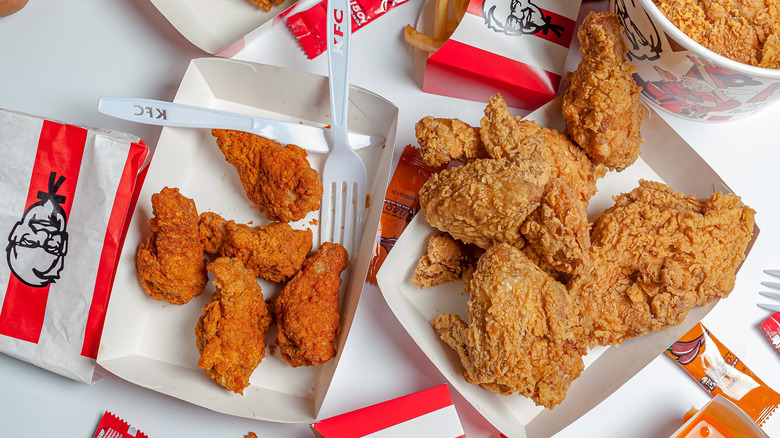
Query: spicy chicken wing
{"type": "Point", "coordinates": [273, 252]}
{"type": "Point", "coordinates": [601, 103]}
{"type": "Point", "coordinates": [230, 335]}
{"type": "Point", "coordinates": [307, 310]}
{"type": "Point", "coordinates": [522, 329]}
{"type": "Point", "coordinates": [655, 255]}
{"type": "Point", "coordinates": [170, 261]}
{"type": "Point", "coordinates": [277, 178]}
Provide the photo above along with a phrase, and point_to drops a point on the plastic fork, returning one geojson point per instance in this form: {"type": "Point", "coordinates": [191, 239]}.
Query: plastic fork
{"type": "Point", "coordinates": [773, 295]}
{"type": "Point", "coordinates": [344, 174]}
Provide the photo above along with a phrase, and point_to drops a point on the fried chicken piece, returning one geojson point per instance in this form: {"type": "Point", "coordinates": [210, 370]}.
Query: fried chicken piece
{"type": "Point", "coordinates": [277, 178]}
{"type": "Point", "coordinates": [743, 30]}
{"type": "Point", "coordinates": [230, 335]}
{"type": "Point", "coordinates": [444, 140]}
{"type": "Point", "coordinates": [558, 231]}
{"type": "Point", "coordinates": [522, 329]}
{"type": "Point", "coordinates": [483, 202]}
{"type": "Point", "coordinates": [273, 252]}
{"type": "Point", "coordinates": [170, 261]}
{"type": "Point", "coordinates": [601, 103]}
{"type": "Point", "coordinates": [655, 255]}
{"type": "Point", "coordinates": [266, 4]}
{"type": "Point", "coordinates": [445, 260]}
{"type": "Point", "coordinates": [307, 310]}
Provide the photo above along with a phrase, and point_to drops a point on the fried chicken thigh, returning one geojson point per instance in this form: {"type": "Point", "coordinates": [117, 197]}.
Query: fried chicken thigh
{"type": "Point", "coordinates": [307, 310]}
{"type": "Point", "coordinates": [522, 329]}
{"type": "Point", "coordinates": [170, 261]}
{"type": "Point", "coordinates": [273, 252]}
{"type": "Point", "coordinates": [601, 103]}
{"type": "Point", "coordinates": [275, 177]}
{"type": "Point", "coordinates": [230, 335]}
{"type": "Point", "coordinates": [656, 254]}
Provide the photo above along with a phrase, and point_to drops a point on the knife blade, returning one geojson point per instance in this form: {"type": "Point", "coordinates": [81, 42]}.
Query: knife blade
{"type": "Point", "coordinates": [161, 113]}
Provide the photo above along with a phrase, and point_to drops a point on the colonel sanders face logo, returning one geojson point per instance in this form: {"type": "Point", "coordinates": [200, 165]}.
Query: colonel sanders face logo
{"type": "Point", "coordinates": [38, 242]}
{"type": "Point", "coordinates": [517, 17]}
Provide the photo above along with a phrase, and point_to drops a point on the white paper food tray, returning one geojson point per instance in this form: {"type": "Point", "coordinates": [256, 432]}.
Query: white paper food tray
{"type": "Point", "coordinates": [152, 343]}
{"type": "Point", "coordinates": [666, 157]}
{"type": "Point", "coordinates": [220, 27]}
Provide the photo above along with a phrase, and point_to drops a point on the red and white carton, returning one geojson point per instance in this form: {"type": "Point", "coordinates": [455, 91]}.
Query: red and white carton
{"type": "Point", "coordinates": [516, 48]}
{"type": "Point", "coordinates": [429, 413]}
{"type": "Point", "coordinates": [65, 195]}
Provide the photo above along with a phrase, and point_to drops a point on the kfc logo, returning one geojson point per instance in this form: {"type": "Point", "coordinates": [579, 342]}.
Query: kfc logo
{"type": "Point", "coordinates": [39, 241]}
{"type": "Point", "coordinates": [518, 17]}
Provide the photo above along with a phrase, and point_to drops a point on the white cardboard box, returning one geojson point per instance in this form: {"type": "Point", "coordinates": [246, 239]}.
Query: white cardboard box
{"type": "Point", "coordinates": [152, 343]}
{"type": "Point", "coordinates": [665, 157]}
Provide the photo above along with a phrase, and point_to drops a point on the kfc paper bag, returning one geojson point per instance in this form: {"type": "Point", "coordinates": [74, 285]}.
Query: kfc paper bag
{"type": "Point", "coordinates": [66, 191]}
{"type": "Point", "coordinates": [513, 47]}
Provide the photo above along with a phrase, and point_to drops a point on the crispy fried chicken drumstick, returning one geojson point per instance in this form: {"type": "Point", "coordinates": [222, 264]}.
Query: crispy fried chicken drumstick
{"type": "Point", "coordinates": [170, 261]}
{"type": "Point", "coordinates": [230, 335]}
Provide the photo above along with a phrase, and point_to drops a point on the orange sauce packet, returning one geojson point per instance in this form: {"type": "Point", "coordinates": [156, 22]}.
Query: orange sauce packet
{"type": "Point", "coordinates": [720, 371]}
{"type": "Point", "coordinates": [401, 204]}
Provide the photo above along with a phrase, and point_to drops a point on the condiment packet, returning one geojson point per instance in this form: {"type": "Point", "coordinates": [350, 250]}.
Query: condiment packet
{"type": "Point", "coordinates": [771, 327]}
{"type": "Point", "coordinates": [309, 26]}
{"type": "Point", "coordinates": [427, 413]}
{"type": "Point", "coordinates": [111, 426]}
{"type": "Point", "coordinates": [66, 195]}
{"type": "Point", "coordinates": [401, 204]}
{"type": "Point", "coordinates": [720, 371]}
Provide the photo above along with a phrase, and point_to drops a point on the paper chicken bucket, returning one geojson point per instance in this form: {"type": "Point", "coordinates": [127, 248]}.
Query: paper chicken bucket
{"type": "Point", "coordinates": [515, 47]}
{"type": "Point", "coordinates": [66, 191]}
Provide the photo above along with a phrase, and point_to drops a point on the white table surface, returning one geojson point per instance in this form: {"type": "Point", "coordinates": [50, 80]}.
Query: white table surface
{"type": "Point", "coordinates": [58, 57]}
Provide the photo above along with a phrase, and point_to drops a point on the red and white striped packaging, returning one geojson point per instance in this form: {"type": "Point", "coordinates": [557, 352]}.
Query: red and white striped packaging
{"type": "Point", "coordinates": [517, 48]}
{"type": "Point", "coordinates": [429, 413]}
{"type": "Point", "coordinates": [771, 327]}
{"type": "Point", "coordinates": [65, 196]}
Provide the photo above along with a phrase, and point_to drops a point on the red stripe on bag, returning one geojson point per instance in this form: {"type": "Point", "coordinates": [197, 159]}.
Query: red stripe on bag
{"type": "Point", "coordinates": [60, 150]}
{"type": "Point", "coordinates": [521, 85]}
{"type": "Point", "coordinates": [111, 248]}
{"type": "Point", "coordinates": [558, 29]}
{"type": "Point", "coordinates": [381, 416]}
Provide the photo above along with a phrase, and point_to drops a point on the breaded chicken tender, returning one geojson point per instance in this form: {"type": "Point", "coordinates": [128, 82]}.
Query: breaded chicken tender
{"type": "Point", "coordinates": [275, 177]}
{"type": "Point", "coordinates": [601, 103]}
{"type": "Point", "coordinates": [522, 329]}
{"type": "Point", "coordinates": [170, 261]}
{"type": "Point", "coordinates": [483, 202]}
{"type": "Point", "coordinates": [273, 252]}
{"type": "Point", "coordinates": [230, 335]}
{"type": "Point", "coordinates": [655, 255]}
{"type": "Point", "coordinates": [445, 260]}
{"type": "Point", "coordinates": [307, 310]}
{"type": "Point", "coordinates": [443, 140]}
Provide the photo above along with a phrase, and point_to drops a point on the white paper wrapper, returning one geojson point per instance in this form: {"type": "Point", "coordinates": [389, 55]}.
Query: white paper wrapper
{"type": "Point", "coordinates": [66, 191]}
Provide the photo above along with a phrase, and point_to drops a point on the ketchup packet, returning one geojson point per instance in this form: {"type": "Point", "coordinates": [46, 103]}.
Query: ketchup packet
{"type": "Point", "coordinates": [720, 371]}
{"type": "Point", "coordinates": [309, 26]}
{"type": "Point", "coordinates": [771, 327]}
{"type": "Point", "coordinates": [401, 204]}
{"type": "Point", "coordinates": [111, 426]}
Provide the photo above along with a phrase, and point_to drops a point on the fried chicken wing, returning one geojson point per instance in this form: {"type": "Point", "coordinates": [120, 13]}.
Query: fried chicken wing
{"type": "Point", "coordinates": [445, 260]}
{"type": "Point", "coordinates": [483, 202]}
{"type": "Point", "coordinates": [277, 178]}
{"type": "Point", "coordinates": [443, 140]}
{"type": "Point", "coordinates": [655, 255]}
{"type": "Point", "coordinates": [601, 103]}
{"type": "Point", "coordinates": [307, 310]}
{"type": "Point", "coordinates": [273, 252]}
{"type": "Point", "coordinates": [170, 261]}
{"type": "Point", "coordinates": [230, 335]}
{"type": "Point", "coordinates": [522, 329]}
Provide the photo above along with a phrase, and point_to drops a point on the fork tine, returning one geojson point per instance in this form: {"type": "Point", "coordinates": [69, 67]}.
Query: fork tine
{"type": "Point", "coordinates": [770, 307]}
{"type": "Point", "coordinates": [775, 295]}
{"type": "Point", "coordinates": [771, 284]}
{"type": "Point", "coordinates": [772, 272]}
